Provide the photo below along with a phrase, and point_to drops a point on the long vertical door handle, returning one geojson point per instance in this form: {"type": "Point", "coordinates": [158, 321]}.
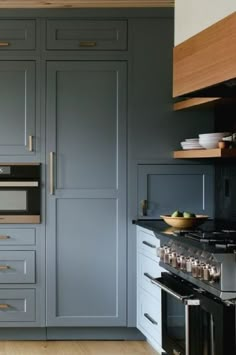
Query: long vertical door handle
{"type": "Point", "coordinates": [30, 144]}
{"type": "Point", "coordinates": [51, 173]}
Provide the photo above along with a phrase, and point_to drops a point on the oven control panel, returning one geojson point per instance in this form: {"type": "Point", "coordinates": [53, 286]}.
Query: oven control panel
{"type": "Point", "coordinates": [197, 263]}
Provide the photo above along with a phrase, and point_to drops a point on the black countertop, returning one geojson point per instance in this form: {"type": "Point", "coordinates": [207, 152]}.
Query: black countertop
{"type": "Point", "coordinates": [165, 233]}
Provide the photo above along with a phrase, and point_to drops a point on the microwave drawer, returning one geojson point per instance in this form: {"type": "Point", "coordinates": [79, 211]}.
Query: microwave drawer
{"type": "Point", "coordinates": [14, 236]}
{"type": "Point", "coordinates": [17, 266]}
{"type": "Point", "coordinates": [17, 305]}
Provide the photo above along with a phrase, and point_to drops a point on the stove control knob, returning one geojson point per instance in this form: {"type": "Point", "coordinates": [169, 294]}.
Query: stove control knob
{"type": "Point", "coordinates": [206, 272]}
{"type": "Point", "coordinates": [174, 259]}
{"type": "Point", "coordinates": [182, 260]}
{"type": "Point", "coordinates": [214, 274]}
{"type": "Point", "coordinates": [195, 268]}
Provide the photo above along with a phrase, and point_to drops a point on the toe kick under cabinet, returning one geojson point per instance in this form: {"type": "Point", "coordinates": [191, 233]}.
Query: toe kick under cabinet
{"type": "Point", "coordinates": [19, 278]}
{"type": "Point", "coordinates": [148, 295]}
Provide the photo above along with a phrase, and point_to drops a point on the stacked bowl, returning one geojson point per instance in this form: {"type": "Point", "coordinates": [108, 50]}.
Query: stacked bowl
{"type": "Point", "coordinates": [211, 140]}
{"type": "Point", "coordinates": [191, 143]}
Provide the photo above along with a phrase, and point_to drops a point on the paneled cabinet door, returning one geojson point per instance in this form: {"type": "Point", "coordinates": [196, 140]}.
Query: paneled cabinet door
{"type": "Point", "coordinates": [86, 222]}
{"type": "Point", "coordinates": [17, 107]}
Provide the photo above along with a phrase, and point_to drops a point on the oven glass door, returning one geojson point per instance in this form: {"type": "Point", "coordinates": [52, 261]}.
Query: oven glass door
{"type": "Point", "coordinates": [180, 309]}
{"type": "Point", "coordinates": [13, 200]}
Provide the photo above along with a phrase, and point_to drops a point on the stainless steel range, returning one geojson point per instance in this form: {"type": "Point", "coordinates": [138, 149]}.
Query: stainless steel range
{"type": "Point", "coordinates": [204, 258]}
{"type": "Point", "coordinates": [198, 290]}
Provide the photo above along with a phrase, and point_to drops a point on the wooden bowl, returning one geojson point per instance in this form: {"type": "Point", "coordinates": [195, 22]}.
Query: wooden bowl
{"type": "Point", "coordinates": [183, 222]}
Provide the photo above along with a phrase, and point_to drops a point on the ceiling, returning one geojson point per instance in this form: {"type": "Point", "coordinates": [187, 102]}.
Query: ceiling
{"type": "Point", "coordinates": [36, 4]}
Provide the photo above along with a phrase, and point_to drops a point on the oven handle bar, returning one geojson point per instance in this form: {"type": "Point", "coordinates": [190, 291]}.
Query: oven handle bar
{"type": "Point", "coordinates": [169, 291]}
{"type": "Point", "coordinates": [19, 183]}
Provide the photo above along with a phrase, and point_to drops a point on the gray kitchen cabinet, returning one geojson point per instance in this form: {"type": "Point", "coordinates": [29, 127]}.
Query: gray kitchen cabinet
{"type": "Point", "coordinates": [17, 266]}
{"type": "Point", "coordinates": [17, 34]}
{"type": "Point", "coordinates": [167, 187]}
{"type": "Point", "coordinates": [149, 305]}
{"type": "Point", "coordinates": [86, 35]}
{"type": "Point", "coordinates": [17, 107]}
{"type": "Point", "coordinates": [22, 289]}
{"type": "Point", "coordinates": [17, 305]}
{"type": "Point", "coordinates": [86, 214]}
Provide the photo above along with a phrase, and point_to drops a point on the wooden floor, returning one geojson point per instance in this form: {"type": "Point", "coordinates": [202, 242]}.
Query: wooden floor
{"type": "Point", "coordinates": [75, 348]}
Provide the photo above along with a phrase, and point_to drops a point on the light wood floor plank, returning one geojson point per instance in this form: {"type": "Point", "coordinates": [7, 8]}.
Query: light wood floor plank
{"type": "Point", "coordinates": [76, 348]}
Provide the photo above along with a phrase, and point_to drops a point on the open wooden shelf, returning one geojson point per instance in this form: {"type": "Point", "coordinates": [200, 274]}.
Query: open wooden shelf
{"type": "Point", "coordinates": [205, 153]}
{"type": "Point", "coordinates": [196, 102]}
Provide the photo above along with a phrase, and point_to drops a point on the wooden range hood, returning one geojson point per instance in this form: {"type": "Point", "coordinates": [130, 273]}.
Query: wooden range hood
{"type": "Point", "coordinates": [49, 4]}
{"type": "Point", "coordinates": [205, 64]}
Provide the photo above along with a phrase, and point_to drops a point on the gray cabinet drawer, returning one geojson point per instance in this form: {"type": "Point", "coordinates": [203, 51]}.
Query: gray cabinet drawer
{"type": "Point", "coordinates": [148, 269]}
{"type": "Point", "coordinates": [149, 316]}
{"type": "Point", "coordinates": [17, 35]}
{"type": "Point", "coordinates": [17, 266]}
{"type": "Point", "coordinates": [13, 236]}
{"type": "Point", "coordinates": [86, 35]}
{"type": "Point", "coordinates": [17, 305]}
{"type": "Point", "coordinates": [147, 243]}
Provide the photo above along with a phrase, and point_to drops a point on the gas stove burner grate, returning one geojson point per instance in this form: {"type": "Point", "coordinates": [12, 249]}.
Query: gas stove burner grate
{"type": "Point", "coordinates": [228, 231]}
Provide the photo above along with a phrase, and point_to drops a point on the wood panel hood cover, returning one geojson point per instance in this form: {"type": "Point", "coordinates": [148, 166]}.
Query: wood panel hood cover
{"type": "Point", "coordinates": [205, 64]}
{"type": "Point", "coordinates": [33, 4]}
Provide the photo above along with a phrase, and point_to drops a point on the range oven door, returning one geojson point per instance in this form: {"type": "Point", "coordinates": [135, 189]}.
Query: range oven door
{"type": "Point", "coordinates": [193, 321]}
{"type": "Point", "coordinates": [180, 317]}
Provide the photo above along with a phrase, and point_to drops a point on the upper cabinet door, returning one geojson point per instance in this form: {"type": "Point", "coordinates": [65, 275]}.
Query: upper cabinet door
{"type": "Point", "coordinates": [86, 35]}
{"type": "Point", "coordinates": [17, 35]}
{"type": "Point", "coordinates": [17, 107]}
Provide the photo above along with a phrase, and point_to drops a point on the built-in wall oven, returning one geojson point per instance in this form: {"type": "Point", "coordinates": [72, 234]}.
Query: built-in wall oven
{"type": "Point", "coordinates": [20, 196]}
{"type": "Point", "coordinates": [193, 321]}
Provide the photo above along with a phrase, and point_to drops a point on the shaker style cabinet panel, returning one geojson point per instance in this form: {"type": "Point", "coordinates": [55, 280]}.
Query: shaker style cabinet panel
{"type": "Point", "coordinates": [86, 35]}
{"type": "Point", "coordinates": [86, 221]}
{"type": "Point", "coordinates": [17, 305]}
{"type": "Point", "coordinates": [165, 188]}
{"type": "Point", "coordinates": [17, 107]}
{"type": "Point", "coordinates": [149, 305]}
{"type": "Point", "coordinates": [17, 35]}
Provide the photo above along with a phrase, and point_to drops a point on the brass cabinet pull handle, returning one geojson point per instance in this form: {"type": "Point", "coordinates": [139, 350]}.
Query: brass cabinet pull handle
{"type": "Point", "coordinates": [4, 44]}
{"type": "Point", "coordinates": [4, 237]}
{"type": "Point", "coordinates": [30, 143]}
{"type": "Point", "coordinates": [4, 306]}
{"type": "Point", "coordinates": [51, 173]}
{"type": "Point", "coordinates": [144, 207]}
{"type": "Point", "coordinates": [87, 44]}
{"type": "Point", "coordinates": [4, 267]}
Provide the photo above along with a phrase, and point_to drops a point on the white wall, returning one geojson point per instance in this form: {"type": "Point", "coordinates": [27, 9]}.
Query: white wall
{"type": "Point", "coordinates": [193, 16]}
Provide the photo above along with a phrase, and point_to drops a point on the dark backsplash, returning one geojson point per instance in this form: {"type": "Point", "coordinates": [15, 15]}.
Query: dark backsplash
{"type": "Point", "coordinates": [225, 191]}
{"type": "Point", "coordinates": [225, 179]}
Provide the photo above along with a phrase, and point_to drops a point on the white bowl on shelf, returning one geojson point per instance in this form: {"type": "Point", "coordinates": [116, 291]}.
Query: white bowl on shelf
{"type": "Point", "coordinates": [216, 135]}
{"type": "Point", "coordinates": [209, 144]}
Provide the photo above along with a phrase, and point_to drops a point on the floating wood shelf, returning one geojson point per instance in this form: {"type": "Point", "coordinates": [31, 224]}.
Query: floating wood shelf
{"type": "Point", "coordinates": [196, 102]}
{"type": "Point", "coordinates": [205, 153]}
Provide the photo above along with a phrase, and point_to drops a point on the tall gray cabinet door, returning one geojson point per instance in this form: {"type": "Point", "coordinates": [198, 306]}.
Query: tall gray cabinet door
{"type": "Point", "coordinates": [86, 218]}
{"type": "Point", "coordinates": [17, 107]}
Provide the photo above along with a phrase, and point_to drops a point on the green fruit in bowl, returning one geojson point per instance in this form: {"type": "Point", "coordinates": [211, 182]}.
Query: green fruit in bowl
{"type": "Point", "coordinates": [177, 214]}
{"type": "Point", "coordinates": [188, 215]}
